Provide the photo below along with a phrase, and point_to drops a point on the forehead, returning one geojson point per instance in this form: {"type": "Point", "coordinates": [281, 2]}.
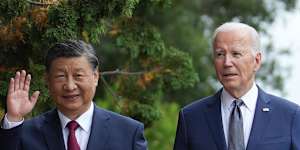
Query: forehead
{"type": "Point", "coordinates": [232, 39]}
{"type": "Point", "coordinates": [70, 63]}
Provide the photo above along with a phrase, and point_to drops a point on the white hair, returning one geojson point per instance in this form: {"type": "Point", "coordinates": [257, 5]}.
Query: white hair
{"type": "Point", "coordinates": [229, 26]}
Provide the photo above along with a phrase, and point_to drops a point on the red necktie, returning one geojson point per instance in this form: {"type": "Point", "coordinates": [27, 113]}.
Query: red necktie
{"type": "Point", "coordinates": [72, 142]}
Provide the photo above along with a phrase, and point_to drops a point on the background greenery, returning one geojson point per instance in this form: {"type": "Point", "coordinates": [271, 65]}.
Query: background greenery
{"type": "Point", "coordinates": [155, 54]}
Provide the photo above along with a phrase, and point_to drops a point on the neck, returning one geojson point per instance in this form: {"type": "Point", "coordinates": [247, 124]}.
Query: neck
{"type": "Point", "coordinates": [74, 114]}
{"type": "Point", "coordinates": [238, 93]}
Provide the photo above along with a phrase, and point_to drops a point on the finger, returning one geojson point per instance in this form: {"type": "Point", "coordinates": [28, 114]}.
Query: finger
{"type": "Point", "coordinates": [34, 97]}
{"type": "Point", "coordinates": [17, 80]}
{"type": "Point", "coordinates": [27, 82]}
{"type": "Point", "coordinates": [11, 87]}
{"type": "Point", "coordinates": [22, 79]}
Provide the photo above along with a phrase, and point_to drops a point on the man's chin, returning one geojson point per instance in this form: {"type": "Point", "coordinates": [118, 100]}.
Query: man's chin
{"type": "Point", "coordinates": [70, 106]}
{"type": "Point", "coordinates": [231, 86]}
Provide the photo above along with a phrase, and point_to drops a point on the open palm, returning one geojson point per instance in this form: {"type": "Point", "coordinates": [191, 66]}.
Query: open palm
{"type": "Point", "coordinates": [19, 103]}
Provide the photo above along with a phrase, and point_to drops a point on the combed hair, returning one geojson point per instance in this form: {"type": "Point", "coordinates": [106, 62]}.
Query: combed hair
{"type": "Point", "coordinates": [72, 48]}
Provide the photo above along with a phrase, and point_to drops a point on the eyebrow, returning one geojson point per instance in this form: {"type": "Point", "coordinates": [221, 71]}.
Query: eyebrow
{"type": "Point", "coordinates": [219, 50]}
{"type": "Point", "coordinates": [62, 69]}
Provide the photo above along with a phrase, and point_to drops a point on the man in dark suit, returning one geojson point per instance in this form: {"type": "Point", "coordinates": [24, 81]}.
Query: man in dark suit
{"type": "Point", "coordinates": [240, 116]}
{"type": "Point", "coordinates": [76, 123]}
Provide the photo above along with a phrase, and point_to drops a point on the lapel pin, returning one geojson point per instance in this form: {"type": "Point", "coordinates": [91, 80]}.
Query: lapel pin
{"type": "Point", "coordinates": [265, 109]}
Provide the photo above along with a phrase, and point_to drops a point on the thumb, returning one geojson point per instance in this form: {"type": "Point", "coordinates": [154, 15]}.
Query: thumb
{"type": "Point", "coordinates": [34, 97]}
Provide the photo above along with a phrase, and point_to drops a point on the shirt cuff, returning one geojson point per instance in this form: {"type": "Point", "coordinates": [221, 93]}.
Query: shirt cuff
{"type": "Point", "coordinates": [9, 125]}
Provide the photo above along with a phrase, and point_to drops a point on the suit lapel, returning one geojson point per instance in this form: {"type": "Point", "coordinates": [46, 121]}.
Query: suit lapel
{"type": "Point", "coordinates": [52, 131]}
{"type": "Point", "coordinates": [214, 119]}
{"type": "Point", "coordinates": [261, 119]}
{"type": "Point", "coordinates": [99, 131]}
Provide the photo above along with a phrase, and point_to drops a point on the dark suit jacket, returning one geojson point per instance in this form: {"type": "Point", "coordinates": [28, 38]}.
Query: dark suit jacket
{"type": "Point", "coordinates": [200, 125]}
{"type": "Point", "coordinates": [109, 131]}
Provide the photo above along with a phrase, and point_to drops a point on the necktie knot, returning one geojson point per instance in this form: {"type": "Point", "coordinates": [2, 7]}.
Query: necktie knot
{"type": "Point", "coordinates": [236, 109]}
{"type": "Point", "coordinates": [72, 125]}
{"type": "Point", "coordinates": [238, 103]}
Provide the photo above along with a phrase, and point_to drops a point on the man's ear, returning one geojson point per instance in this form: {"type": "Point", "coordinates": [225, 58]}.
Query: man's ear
{"type": "Point", "coordinates": [96, 76]}
{"type": "Point", "coordinates": [257, 61]}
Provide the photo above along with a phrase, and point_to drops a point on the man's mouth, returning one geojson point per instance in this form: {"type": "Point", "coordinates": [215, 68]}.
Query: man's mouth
{"type": "Point", "coordinates": [230, 74]}
{"type": "Point", "coordinates": [71, 97]}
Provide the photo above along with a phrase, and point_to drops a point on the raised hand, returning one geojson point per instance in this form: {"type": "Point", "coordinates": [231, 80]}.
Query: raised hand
{"type": "Point", "coordinates": [18, 101]}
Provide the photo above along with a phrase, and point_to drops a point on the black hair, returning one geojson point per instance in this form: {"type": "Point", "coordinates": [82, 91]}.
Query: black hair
{"type": "Point", "coordinates": [72, 48]}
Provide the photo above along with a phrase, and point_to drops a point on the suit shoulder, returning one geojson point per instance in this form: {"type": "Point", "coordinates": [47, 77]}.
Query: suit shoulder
{"type": "Point", "coordinates": [118, 118]}
{"type": "Point", "coordinates": [282, 103]}
{"type": "Point", "coordinates": [198, 104]}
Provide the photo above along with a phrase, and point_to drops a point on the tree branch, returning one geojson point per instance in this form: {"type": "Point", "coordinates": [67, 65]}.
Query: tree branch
{"type": "Point", "coordinates": [116, 97]}
{"type": "Point", "coordinates": [118, 71]}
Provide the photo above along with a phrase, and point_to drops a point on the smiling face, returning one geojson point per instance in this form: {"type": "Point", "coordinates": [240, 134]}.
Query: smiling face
{"type": "Point", "coordinates": [235, 62]}
{"type": "Point", "coordinates": [72, 84]}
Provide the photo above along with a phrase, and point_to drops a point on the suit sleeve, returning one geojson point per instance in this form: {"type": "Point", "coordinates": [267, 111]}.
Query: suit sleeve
{"type": "Point", "coordinates": [296, 131]}
{"type": "Point", "coordinates": [181, 135]}
{"type": "Point", "coordinates": [10, 138]}
{"type": "Point", "coordinates": [140, 143]}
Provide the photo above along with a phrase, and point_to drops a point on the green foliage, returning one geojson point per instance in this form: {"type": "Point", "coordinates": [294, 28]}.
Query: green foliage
{"type": "Point", "coordinates": [1, 112]}
{"type": "Point", "coordinates": [96, 31]}
{"type": "Point", "coordinates": [11, 9]}
{"type": "Point", "coordinates": [161, 135]}
{"type": "Point", "coordinates": [4, 77]}
{"type": "Point", "coordinates": [62, 23]}
{"type": "Point", "coordinates": [143, 112]}
{"type": "Point", "coordinates": [142, 40]}
{"type": "Point", "coordinates": [128, 7]}
{"type": "Point", "coordinates": [165, 68]}
{"type": "Point", "coordinates": [139, 100]}
{"type": "Point", "coordinates": [179, 70]}
{"type": "Point", "coordinates": [145, 109]}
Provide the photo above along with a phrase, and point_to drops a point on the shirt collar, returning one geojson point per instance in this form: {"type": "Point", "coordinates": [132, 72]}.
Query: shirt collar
{"type": "Point", "coordinates": [249, 98]}
{"type": "Point", "coordinates": [84, 120]}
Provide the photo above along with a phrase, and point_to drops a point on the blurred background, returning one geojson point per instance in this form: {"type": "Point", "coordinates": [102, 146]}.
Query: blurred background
{"type": "Point", "coordinates": [155, 54]}
{"type": "Point", "coordinates": [284, 32]}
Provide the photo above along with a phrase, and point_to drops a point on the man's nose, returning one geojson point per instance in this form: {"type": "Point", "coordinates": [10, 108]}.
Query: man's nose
{"type": "Point", "coordinates": [228, 60]}
{"type": "Point", "coordinates": [70, 85]}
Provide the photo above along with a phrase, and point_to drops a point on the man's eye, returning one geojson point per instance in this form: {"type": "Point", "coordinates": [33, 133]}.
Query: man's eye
{"type": "Point", "coordinates": [219, 54]}
{"type": "Point", "coordinates": [60, 76]}
{"type": "Point", "coordinates": [78, 75]}
{"type": "Point", "coordinates": [237, 54]}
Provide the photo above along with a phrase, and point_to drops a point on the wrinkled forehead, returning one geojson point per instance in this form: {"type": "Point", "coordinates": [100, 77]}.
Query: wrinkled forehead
{"type": "Point", "coordinates": [233, 39]}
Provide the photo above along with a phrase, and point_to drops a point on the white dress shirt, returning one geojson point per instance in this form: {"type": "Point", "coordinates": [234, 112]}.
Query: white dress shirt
{"type": "Point", "coordinates": [247, 110]}
{"type": "Point", "coordinates": [9, 124]}
{"type": "Point", "coordinates": [82, 133]}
